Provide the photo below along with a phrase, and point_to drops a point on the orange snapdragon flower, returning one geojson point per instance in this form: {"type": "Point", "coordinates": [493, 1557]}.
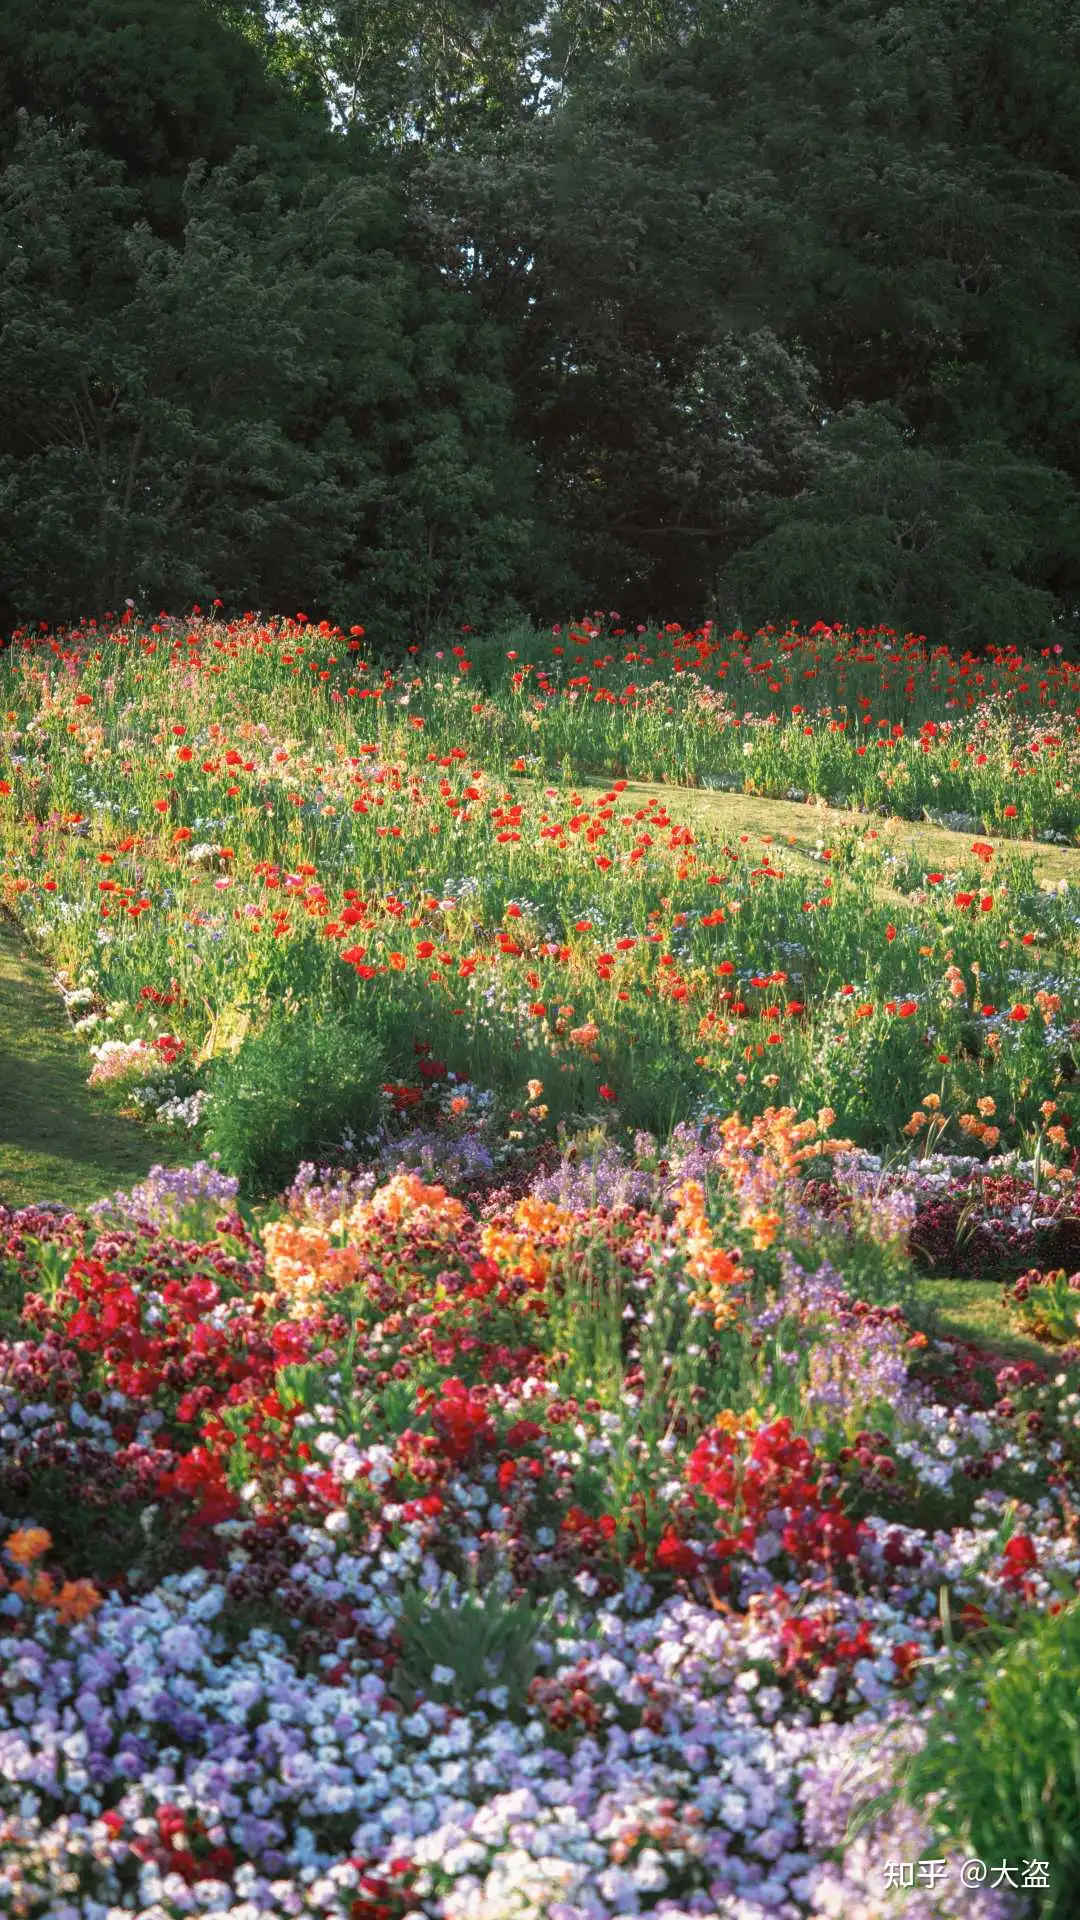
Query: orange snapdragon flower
{"type": "Point", "coordinates": [75, 1601]}
{"type": "Point", "coordinates": [303, 1260]}
{"type": "Point", "coordinates": [705, 1261]}
{"type": "Point", "coordinates": [544, 1217]}
{"type": "Point", "coordinates": [405, 1195]}
{"type": "Point", "coordinates": [515, 1254]}
{"type": "Point", "coordinates": [27, 1544]}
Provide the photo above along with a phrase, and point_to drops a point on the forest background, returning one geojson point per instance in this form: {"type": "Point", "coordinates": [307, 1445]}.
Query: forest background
{"type": "Point", "coordinates": [421, 313]}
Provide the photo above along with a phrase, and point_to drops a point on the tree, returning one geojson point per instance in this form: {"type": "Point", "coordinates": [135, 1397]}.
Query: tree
{"type": "Point", "coordinates": [276, 411]}
{"type": "Point", "coordinates": [821, 175]}
{"type": "Point", "coordinates": [893, 533]}
{"type": "Point", "coordinates": [156, 85]}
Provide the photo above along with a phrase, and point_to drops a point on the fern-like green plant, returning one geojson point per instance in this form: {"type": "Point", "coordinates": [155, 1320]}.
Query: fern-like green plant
{"type": "Point", "coordinates": [484, 1640]}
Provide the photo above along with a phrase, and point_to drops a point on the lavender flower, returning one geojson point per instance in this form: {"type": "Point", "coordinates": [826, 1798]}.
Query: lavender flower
{"type": "Point", "coordinates": [170, 1196]}
{"type": "Point", "coordinates": [604, 1179]}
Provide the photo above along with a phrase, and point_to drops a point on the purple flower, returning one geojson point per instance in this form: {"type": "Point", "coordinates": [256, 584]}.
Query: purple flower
{"type": "Point", "coordinates": [169, 1197]}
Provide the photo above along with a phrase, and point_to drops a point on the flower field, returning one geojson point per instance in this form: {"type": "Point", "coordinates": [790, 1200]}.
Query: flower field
{"type": "Point", "coordinates": [515, 1470]}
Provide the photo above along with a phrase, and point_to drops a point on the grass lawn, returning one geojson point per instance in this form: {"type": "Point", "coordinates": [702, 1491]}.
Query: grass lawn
{"type": "Point", "coordinates": [972, 1310]}
{"type": "Point", "coordinates": [797, 827]}
{"type": "Point", "coordinates": [57, 1142]}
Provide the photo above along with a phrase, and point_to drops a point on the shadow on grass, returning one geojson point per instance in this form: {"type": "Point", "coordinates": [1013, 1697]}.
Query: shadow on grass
{"type": "Point", "coordinates": [57, 1141]}
{"type": "Point", "coordinates": [973, 1310]}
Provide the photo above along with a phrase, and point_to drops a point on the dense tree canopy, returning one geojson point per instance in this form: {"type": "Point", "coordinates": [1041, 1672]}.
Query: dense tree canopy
{"type": "Point", "coordinates": [421, 311]}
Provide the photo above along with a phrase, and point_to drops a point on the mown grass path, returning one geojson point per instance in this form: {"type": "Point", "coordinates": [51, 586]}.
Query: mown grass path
{"type": "Point", "coordinates": [56, 1140]}
{"type": "Point", "coordinates": [796, 828]}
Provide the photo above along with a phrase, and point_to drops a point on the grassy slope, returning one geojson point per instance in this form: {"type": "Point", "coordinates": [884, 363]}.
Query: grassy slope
{"type": "Point", "coordinates": [56, 1140]}
{"type": "Point", "coordinates": [793, 820]}
{"type": "Point", "coordinates": [57, 1143]}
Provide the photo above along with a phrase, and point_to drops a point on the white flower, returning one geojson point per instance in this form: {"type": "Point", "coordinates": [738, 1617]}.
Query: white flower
{"type": "Point", "coordinates": [732, 1811]}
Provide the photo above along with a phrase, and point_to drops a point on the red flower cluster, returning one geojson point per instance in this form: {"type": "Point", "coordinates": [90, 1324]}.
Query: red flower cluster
{"type": "Point", "coordinates": [1020, 1560]}
{"type": "Point", "coordinates": [461, 1419]}
{"type": "Point", "coordinates": [770, 1488]}
{"type": "Point", "coordinates": [180, 1846]}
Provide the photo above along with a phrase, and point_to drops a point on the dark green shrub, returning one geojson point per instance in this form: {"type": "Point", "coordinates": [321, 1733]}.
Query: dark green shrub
{"type": "Point", "coordinates": [291, 1093]}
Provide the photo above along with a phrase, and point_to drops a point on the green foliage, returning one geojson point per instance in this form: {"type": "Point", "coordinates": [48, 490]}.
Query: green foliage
{"type": "Point", "coordinates": [277, 410]}
{"type": "Point", "coordinates": [826, 180]}
{"type": "Point", "coordinates": [1001, 1767]}
{"type": "Point", "coordinates": [905, 536]}
{"type": "Point", "coordinates": [1048, 1307]}
{"type": "Point", "coordinates": [156, 84]}
{"type": "Point", "coordinates": [303, 1384]}
{"type": "Point", "coordinates": [751, 310]}
{"type": "Point", "coordinates": [289, 1094]}
{"type": "Point", "coordinates": [140, 451]}
{"type": "Point", "coordinates": [485, 1642]}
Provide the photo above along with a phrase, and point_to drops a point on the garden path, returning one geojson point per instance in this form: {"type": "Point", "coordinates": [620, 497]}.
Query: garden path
{"type": "Point", "coordinates": [57, 1141]}
{"type": "Point", "coordinates": [794, 820]}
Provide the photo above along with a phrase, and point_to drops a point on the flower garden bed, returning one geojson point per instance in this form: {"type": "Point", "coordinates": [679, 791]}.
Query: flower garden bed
{"type": "Point", "coordinates": [514, 1471]}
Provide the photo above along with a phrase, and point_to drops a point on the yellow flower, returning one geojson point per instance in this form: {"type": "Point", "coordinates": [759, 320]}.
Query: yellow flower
{"type": "Point", "coordinates": [728, 1422]}
{"type": "Point", "coordinates": [986, 1106]}
{"type": "Point", "coordinates": [932, 1100]}
{"type": "Point", "coordinates": [534, 1088]}
{"type": "Point", "coordinates": [27, 1544]}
